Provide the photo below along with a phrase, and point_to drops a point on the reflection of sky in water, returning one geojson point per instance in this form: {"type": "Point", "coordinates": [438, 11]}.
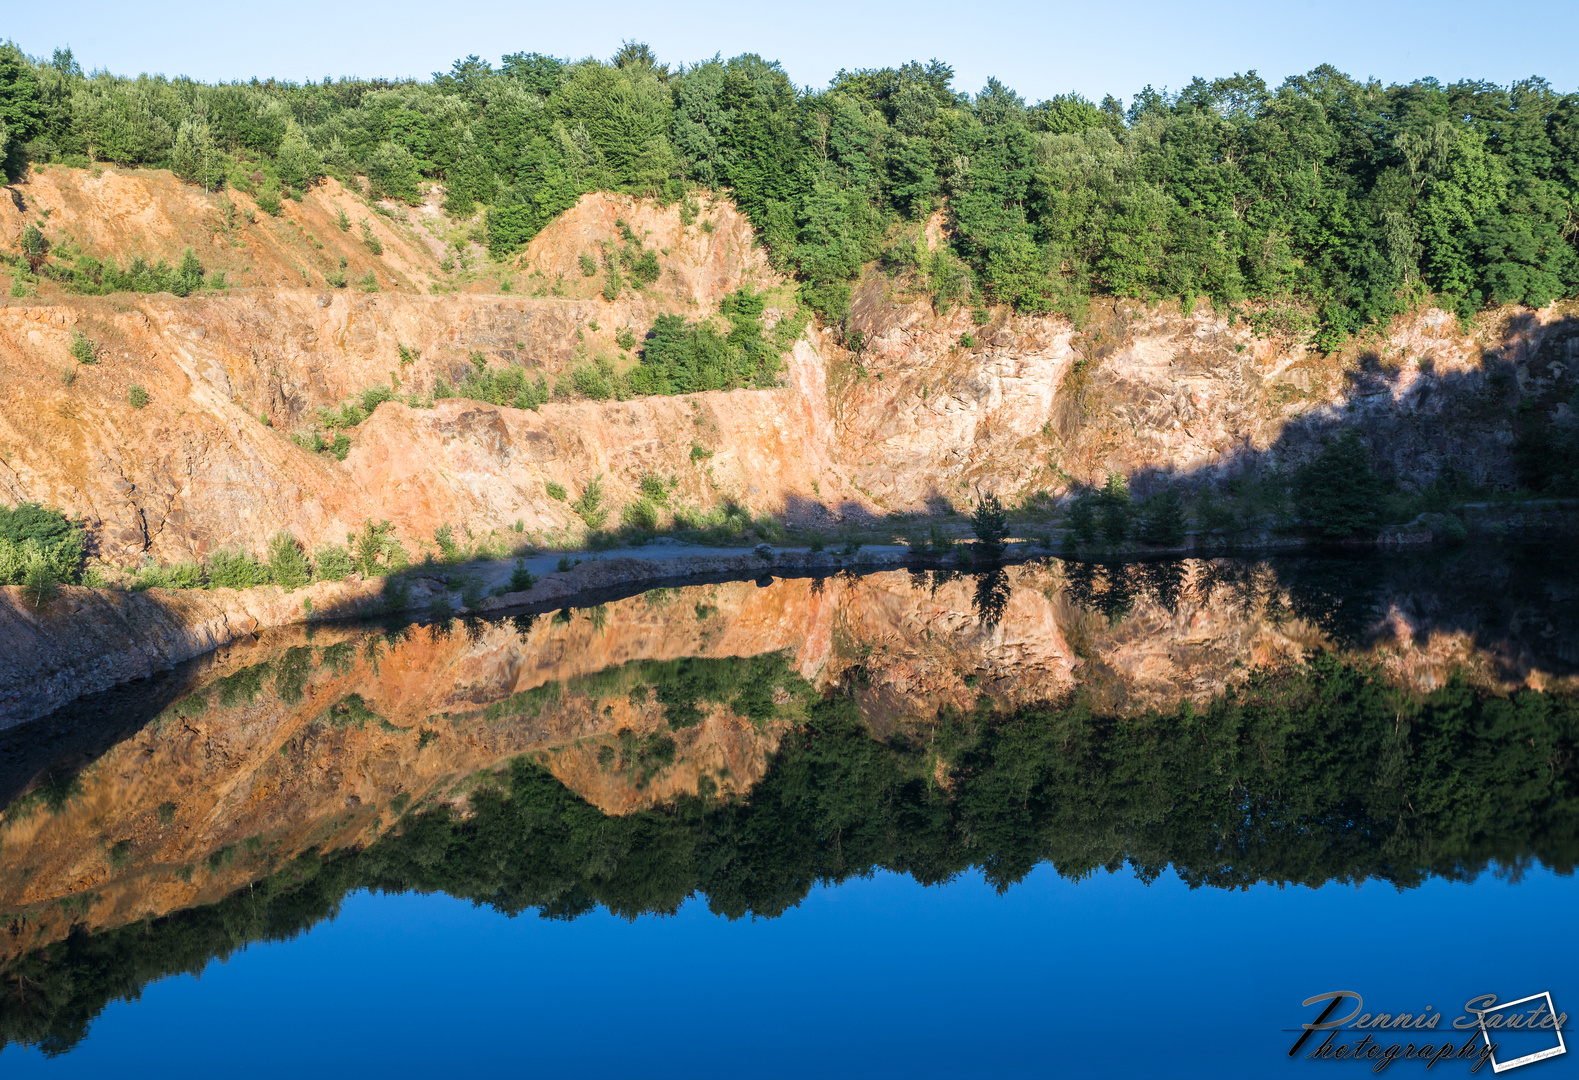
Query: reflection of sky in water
{"type": "Point", "coordinates": [875, 978]}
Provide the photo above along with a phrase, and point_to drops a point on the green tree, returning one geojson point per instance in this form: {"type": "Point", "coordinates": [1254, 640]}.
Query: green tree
{"type": "Point", "coordinates": [1162, 519]}
{"type": "Point", "coordinates": [1115, 509]}
{"type": "Point", "coordinates": [1337, 492]}
{"type": "Point", "coordinates": [990, 524]}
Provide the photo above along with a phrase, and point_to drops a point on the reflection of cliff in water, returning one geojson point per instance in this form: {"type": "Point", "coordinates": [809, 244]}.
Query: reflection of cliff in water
{"type": "Point", "coordinates": [756, 739]}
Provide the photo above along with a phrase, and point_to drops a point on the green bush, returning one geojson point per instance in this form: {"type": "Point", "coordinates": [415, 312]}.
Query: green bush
{"type": "Point", "coordinates": [268, 199]}
{"type": "Point", "coordinates": [681, 358]}
{"type": "Point", "coordinates": [376, 549]}
{"type": "Point", "coordinates": [590, 506]}
{"type": "Point", "coordinates": [521, 579]}
{"type": "Point", "coordinates": [188, 575]}
{"type": "Point", "coordinates": [654, 489]}
{"type": "Point", "coordinates": [370, 238]}
{"type": "Point", "coordinates": [230, 568]}
{"type": "Point", "coordinates": [589, 265]}
{"type": "Point", "coordinates": [136, 396]}
{"type": "Point", "coordinates": [36, 541]}
{"type": "Point", "coordinates": [288, 566]}
{"type": "Point", "coordinates": [331, 562]}
{"type": "Point", "coordinates": [449, 550]}
{"type": "Point", "coordinates": [645, 269]}
{"type": "Point", "coordinates": [555, 491]}
{"type": "Point", "coordinates": [84, 350]}
{"type": "Point", "coordinates": [640, 515]}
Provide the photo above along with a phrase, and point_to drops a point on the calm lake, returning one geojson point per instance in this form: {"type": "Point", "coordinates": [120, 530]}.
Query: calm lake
{"type": "Point", "coordinates": [1048, 819]}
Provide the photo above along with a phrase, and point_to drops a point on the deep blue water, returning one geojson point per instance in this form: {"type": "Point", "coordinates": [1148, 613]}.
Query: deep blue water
{"type": "Point", "coordinates": [878, 977]}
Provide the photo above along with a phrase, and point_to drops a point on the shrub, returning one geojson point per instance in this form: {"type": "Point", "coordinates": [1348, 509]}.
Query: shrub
{"type": "Point", "coordinates": [612, 283]}
{"type": "Point", "coordinates": [35, 246]}
{"type": "Point", "coordinates": [331, 562]}
{"type": "Point", "coordinates": [699, 452]}
{"type": "Point", "coordinates": [288, 566]}
{"type": "Point", "coordinates": [555, 491]}
{"type": "Point", "coordinates": [654, 488]}
{"type": "Point", "coordinates": [990, 525]}
{"type": "Point", "coordinates": [369, 282]}
{"type": "Point", "coordinates": [521, 579]}
{"type": "Point", "coordinates": [641, 515]}
{"type": "Point", "coordinates": [268, 199]}
{"type": "Point", "coordinates": [137, 396]}
{"type": "Point", "coordinates": [231, 568]}
{"type": "Point", "coordinates": [625, 339]}
{"type": "Point", "coordinates": [341, 220]}
{"type": "Point", "coordinates": [589, 265]}
{"type": "Point", "coordinates": [370, 238]}
{"type": "Point", "coordinates": [592, 381]}
{"type": "Point", "coordinates": [472, 593]}
{"type": "Point", "coordinates": [968, 340]}
{"type": "Point", "coordinates": [449, 550]}
{"type": "Point", "coordinates": [646, 268]}
{"type": "Point", "coordinates": [590, 506]}
{"type": "Point", "coordinates": [189, 575]}
{"type": "Point", "coordinates": [376, 548]}
{"type": "Point", "coordinates": [32, 536]}
{"type": "Point", "coordinates": [84, 350]}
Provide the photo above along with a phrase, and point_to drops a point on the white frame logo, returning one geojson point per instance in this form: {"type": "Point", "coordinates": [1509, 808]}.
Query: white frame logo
{"type": "Point", "coordinates": [1527, 1059]}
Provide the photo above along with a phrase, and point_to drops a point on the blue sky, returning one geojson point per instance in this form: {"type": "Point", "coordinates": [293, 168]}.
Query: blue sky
{"type": "Point", "coordinates": [1039, 49]}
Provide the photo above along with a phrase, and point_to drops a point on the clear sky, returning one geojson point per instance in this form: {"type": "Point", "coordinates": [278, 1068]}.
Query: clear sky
{"type": "Point", "coordinates": [1039, 49]}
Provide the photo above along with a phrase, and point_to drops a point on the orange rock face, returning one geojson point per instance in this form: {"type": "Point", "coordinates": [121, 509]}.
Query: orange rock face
{"type": "Point", "coordinates": [914, 417]}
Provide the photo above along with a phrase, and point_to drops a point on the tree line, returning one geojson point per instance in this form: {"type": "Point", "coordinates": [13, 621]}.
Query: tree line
{"type": "Point", "coordinates": [1323, 204]}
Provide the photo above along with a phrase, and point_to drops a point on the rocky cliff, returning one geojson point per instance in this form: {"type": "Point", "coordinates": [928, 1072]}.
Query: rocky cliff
{"type": "Point", "coordinates": [930, 407]}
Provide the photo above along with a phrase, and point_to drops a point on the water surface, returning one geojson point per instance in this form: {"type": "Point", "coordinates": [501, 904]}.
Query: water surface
{"type": "Point", "coordinates": [1005, 823]}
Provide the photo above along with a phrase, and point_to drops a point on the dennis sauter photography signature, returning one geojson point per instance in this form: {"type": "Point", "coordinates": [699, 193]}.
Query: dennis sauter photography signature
{"type": "Point", "coordinates": [1382, 1038]}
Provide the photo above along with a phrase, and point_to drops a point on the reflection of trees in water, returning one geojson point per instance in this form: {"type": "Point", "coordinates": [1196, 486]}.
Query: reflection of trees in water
{"type": "Point", "coordinates": [1108, 588]}
{"type": "Point", "coordinates": [1163, 581]}
{"type": "Point", "coordinates": [1306, 775]}
{"type": "Point", "coordinates": [992, 596]}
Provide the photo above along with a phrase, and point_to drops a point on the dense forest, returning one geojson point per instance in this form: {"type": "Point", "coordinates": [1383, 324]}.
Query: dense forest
{"type": "Point", "coordinates": [1304, 775]}
{"type": "Point", "coordinates": [1321, 205]}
